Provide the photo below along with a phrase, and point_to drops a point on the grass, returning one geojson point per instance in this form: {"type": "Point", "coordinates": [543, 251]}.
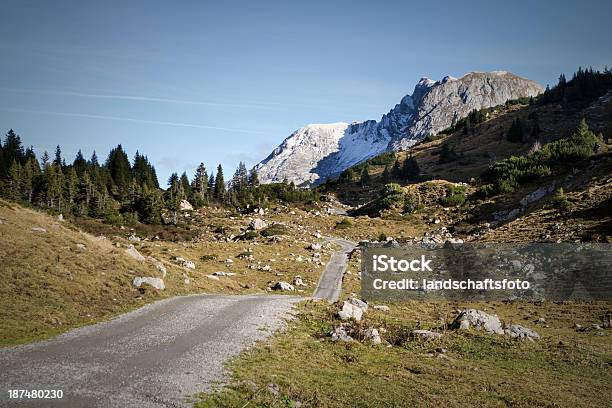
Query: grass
{"type": "Point", "coordinates": [568, 368]}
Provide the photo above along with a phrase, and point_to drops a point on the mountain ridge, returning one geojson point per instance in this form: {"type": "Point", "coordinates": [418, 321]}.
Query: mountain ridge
{"type": "Point", "coordinates": [316, 152]}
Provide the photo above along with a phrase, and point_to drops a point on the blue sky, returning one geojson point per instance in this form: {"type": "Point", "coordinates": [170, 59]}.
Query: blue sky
{"type": "Point", "coordinates": [219, 82]}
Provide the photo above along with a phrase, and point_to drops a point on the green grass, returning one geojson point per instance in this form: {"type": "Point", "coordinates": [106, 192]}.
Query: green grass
{"type": "Point", "coordinates": [565, 368]}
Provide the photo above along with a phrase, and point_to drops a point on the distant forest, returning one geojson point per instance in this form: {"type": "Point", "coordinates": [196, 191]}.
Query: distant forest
{"type": "Point", "coordinates": [124, 192]}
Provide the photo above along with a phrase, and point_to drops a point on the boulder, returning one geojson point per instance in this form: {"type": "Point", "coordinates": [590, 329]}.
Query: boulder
{"type": "Point", "coordinates": [189, 264]}
{"type": "Point", "coordinates": [131, 251]}
{"type": "Point", "coordinates": [297, 281]}
{"type": "Point", "coordinates": [283, 286]}
{"type": "Point", "coordinates": [382, 308]}
{"type": "Point", "coordinates": [157, 283]}
{"type": "Point", "coordinates": [350, 311]}
{"type": "Point", "coordinates": [60, 217]}
{"type": "Point", "coordinates": [373, 336]}
{"type": "Point", "coordinates": [339, 333]}
{"type": "Point", "coordinates": [359, 303]}
{"type": "Point", "coordinates": [426, 335]}
{"type": "Point", "coordinates": [479, 320]}
{"type": "Point", "coordinates": [81, 247]}
{"type": "Point", "coordinates": [185, 205]}
{"type": "Point", "coordinates": [257, 224]}
{"type": "Point", "coordinates": [315, 246]}
{"type": "Point", "coordinates": [517, 331]}
{"type": "Point", "coordinates": [38, 229]}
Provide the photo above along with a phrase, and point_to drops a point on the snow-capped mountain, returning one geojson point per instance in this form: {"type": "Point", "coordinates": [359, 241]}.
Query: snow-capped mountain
{"type": "Point", "coordinates": [315, 152]}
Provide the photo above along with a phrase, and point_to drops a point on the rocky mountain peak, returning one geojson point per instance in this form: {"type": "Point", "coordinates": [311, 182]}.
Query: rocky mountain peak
{"type": "Point", "coordinates": [315, 152]}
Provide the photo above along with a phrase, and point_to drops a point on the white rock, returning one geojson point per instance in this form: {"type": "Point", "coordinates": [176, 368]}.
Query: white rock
{"type": "Point", "coordinates": [350, 311]}
{"type": "Point", "coordinates": [185, 205]}
{"type": "Point", "coordinates": [82, 247]}
{"type": "Point", "coordinates": [280, 285]}
{"type": "Point", "coordinates": [257, 224]}
{"type": "Point", "coordinates": [479, 320]}
{"type": "Point", "coordinates": [38, 229]}
{"type": "Point", "coordinates": [189, 264]}
{"type": "Point", "coordinates": [157, 283]}
{"type": "Point", "coordinates": [382, 308]}
{"type": "Point", "coordinates": [426, 334]}
{"type": "Point", "coordinates": [373, 336]}
{"type": "Point", "coordinates": [517, 331]}
{"type": "Point", "coordinates": [131, 251]}
{"type": "Point", "coordinates": [297, 281]}
{"type": "Point", "coordinates": [339, 333]}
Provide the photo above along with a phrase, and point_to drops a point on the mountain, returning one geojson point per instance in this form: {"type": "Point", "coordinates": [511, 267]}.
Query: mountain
{"type": "Point", "coordinates": [319, 151]}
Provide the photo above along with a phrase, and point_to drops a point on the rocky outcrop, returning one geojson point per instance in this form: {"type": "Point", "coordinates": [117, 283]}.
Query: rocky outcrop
{"type": "Point", "coordinates": [315, 152]}
{"type": "Point", "coordinates": [157, 283]}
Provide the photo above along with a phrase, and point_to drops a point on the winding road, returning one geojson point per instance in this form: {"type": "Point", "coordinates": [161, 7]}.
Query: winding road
{"type": "Point", "coordinates": [160, 355]}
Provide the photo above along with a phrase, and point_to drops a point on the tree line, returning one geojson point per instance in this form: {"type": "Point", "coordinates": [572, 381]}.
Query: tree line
{"type": "Point", "coordinates": [123, 191]}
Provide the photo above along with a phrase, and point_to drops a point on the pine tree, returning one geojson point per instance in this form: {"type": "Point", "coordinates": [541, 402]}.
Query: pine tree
{"type": "Point", "coordinates": [386, 176]}
{"type": "Point", "coordinates": [79, 164]}
{"type": "Point", "coordinates": [200, 183]}
{"type": "Point", "coordinates": [12, 150]}
{"type": "Point", "coordinates": [185, 185]}
{"type": "Point", "coordinates": [516, 133]}
{"type": "Point", "coordinates": [253, 179]}
{"type": "Point", "coordinates": [396, 171]}
{"type": "Point", "coordinates": [365, 176]}
{"type": "Point", "coordinates": [120, 170]}
{"type": "Point", "coordinates": [220, 185]}
{"type": "Point", "coordinates": [410, 169]}
{"type": "Point", "coordinates": [240, 180]}
{"type": "Point", "coordinates": [58, 156]}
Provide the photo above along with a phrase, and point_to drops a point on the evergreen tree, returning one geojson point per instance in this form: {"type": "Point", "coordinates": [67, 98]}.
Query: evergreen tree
{"type": "Point", "coordinates": [58, 156]}
{"type": "Point", "coordinates": [386, 176]}
{"type": "Point", "coordinates": [79, 164]}
{"type": "Point", "coordinates": [185, 185]}
{"type": "Point", "coordinates": [396, 171]}
{"type": "Point", "coordinates": [200, 184]}
{"type": "Point", "coordinates": [254, 179]}
{"type": "Point", "coordinates": [220, 185]}
{"type": "Point", "coordinates": [365, 176]}
{"type": "Point", "coordinates": [211, 185]}
{"type": "Point", "coordinates": [12, 150]}
{"type": "Point", "coordinates": [410, 169]}
{"type": "Point", "coordinates": [516, 133]}
{"type": "Point", "coordinates": [240, 181]}
{"type": "Point", "coordinates": [120, 170]}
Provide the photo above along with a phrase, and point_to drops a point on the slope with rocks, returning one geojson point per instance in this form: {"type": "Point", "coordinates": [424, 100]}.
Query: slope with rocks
{"type": "Point", "coordinates": [316, 152]}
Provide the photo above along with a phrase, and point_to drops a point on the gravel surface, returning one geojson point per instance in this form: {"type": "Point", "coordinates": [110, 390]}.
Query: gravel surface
{"type": "Point", "coordinates": [330, 282]}
{"type": "Point", "coordinates": [157, 356]}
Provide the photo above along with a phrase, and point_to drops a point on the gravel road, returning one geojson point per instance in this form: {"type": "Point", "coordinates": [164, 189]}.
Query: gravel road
{"type": "Point", "coordinates": [330, 282]}
{"type": "Point", "coordinates": [156, 356]}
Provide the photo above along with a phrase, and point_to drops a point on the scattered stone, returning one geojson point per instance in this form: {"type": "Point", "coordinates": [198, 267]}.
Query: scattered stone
{"type": "Point", "coordinates": [274, 389]}
{"type": "Point", "coordinates": [373, 336]}
{"type": "Point", "coordinates": [280, 285]}
{"type": "Point", "coordinates": [315, 246]}
{"type": "Point", "coordinates": [221, 273]}
{"type": "Point", "coordinates": [60, 218]}
{"type": "Point", "coordinates": [133, 238]}
{"type": "Point", "coordinates": [359, 303]}
{"type": "Point", "coordinates": [517, 331]}
{"type": "Point", "coordinates": [38, 229]}
{"type": "Point", "coordinates": [382, 308]}
{"type": "Point", "coordinates": [297, 281]}
{"type": "Point", "coordinates": [440, 350]}
{"type": "Point", "coordinates": [541, 320]}
{"type": "Point", "coordinates": [131, 251]}
{"type": "Point", "coordinates": [213, 277]}
{"type": "Point", "coordinates": [189, 264]}
{"type": "Point", "coordinates": [229, 262]}
{"type": "Point", "coordinates": [350, 311]}
{"type": "Point", "coordinates": [257, 224]}
{"type": "Point", "coordinates": [185, 206]}
{"type": "Point", "coordinates": [479, 320]}
{"type": "Point", "coordinates": [339, 333]}
{"type": "Point", "coordinates": [157, 283]}
{"type": "Point", "coordinates": [426, 335]}
{"type": "Point", "coordinates": [81, 247]}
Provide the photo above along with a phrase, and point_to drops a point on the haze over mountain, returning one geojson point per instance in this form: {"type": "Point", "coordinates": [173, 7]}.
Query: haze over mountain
{"type": "Point", "coordinates": [318, 151]}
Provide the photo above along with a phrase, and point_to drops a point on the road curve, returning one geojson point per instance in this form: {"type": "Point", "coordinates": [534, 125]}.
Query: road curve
{"type": "Point", "coordinates": [157, 356]}
{"type": "Point", "coordinates": [330, 282]}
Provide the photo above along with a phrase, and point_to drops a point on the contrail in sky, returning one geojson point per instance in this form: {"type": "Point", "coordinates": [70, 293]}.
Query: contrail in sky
{"type": "Point", "coordinates": [151, 122]}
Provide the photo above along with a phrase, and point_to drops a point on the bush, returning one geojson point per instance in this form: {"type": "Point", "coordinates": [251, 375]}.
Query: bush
{"type": "Point", "coordinates": [275, 229]}
{"type": "Point", "coordinates": [345, 223]}
{"type": "Point", "coordinates": [392, 195]}
{"type": "Point", "coordinates": [561, 201]}
{"type": "Point", "coordinates": [382, 237]}
{"type": "Point", "coordinates": [453, 200]}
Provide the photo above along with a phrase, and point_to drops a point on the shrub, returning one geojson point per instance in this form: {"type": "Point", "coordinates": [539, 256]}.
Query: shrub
{"type": "Point", "coordinates": [345, 223]}
{"type": "Point", "coordinates": [561, 201]}
{"type": "Point", "coordinates": [392, 195]}
{"type": "Point", "coordinates": [275, 229]}
{"type": "Point", "coordinates": [453, 200]}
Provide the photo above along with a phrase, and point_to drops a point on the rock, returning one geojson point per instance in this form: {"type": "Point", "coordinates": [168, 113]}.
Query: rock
{"type": "Point", "coordinates": [339, 333]}
{"type": "Point", "coordinates": [229, 262]}
{"type": "Point", "coordinates": [257, 224]}
{"type": "Point", "coordinates": [440, 350]}
{"type": "Point", "coordinates": [131, 251]}
{"type": "Point", "coordinates": [517, 331]}
{"type": "Point", "coordinates": [221, 273]}
{"type": "Point", "coordinates": [274, 389]}
{"type": "Point", "coordinates": [213, 277]}
{"type": "Point", "coordinates": [373, 336]}
{"type": "Point", "coordinates": [315, 246]}
{"type": "Point", "coordinates": [426, 335]}
{"type": "Point", "coordinates": [382, 308]}
{"type": "Point", "coordinates": [479, 320]}
{"type": "Point", "coordinates": [189, 264]}
{"type": "Point", "coordinates": [280, 285]}
{"type": "Point", "coordinates": [60, 218]}
{"type": "Point", "coordinates": [133, 238]}
{"type": "Point", "coordinates": [350, 311]}
{"type": "Point", "coordinates": [185, 205]}
{"type": "Point", "coordinates": [81, 247]}
{"type": "Point", "coordinates": [359, 303]}
{"type": "Point", "coordinates": [38, 229]}
{"type": "Point", "coordinates": [537, 195]}
{"type": "Point", "coordinates": [157, 283]}
{"type": "Point", "coordinates": [161, 268]}
{"type": "Point", "coordinates": [297, 281]}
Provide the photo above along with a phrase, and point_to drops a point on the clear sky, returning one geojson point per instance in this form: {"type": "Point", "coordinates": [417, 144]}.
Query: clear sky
{"type": "Point", "coordinates": [219, 82]}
